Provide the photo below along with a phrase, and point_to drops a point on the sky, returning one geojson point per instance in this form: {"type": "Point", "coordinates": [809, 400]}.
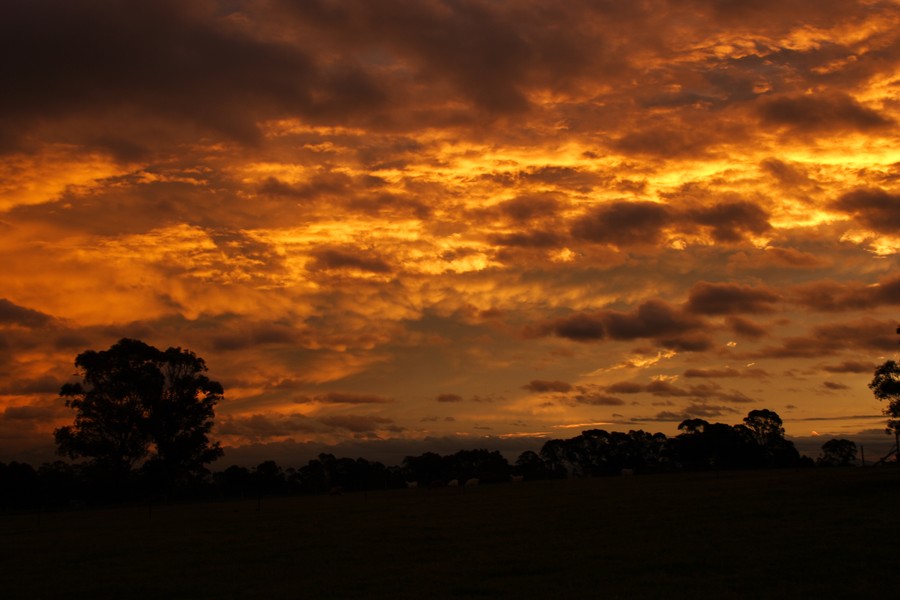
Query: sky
{"type": "Point", "coordinates": [445, 224]}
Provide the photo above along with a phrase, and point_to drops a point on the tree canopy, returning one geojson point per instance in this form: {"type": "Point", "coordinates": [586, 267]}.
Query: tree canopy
{"type": "Point", "coordinates": [885, 385]}
{"type": "Point", "coordinates": [138, 403]}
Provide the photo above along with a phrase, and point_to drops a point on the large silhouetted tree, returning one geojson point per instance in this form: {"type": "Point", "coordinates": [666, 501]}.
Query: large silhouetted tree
{"type": "Point", "coordinates": [886, 386]}
{"type": "Point", "coordinates": [838, 453]}
{"type": "Point", "coordinates": [138, 403]}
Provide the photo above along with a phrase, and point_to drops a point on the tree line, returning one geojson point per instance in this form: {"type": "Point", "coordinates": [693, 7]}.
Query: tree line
{"type": "Point", "coordinates": [143, 418]}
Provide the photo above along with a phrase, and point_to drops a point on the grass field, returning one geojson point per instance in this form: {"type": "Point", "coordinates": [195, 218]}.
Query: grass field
{"type": "Point", "coordinates": [777, 534]}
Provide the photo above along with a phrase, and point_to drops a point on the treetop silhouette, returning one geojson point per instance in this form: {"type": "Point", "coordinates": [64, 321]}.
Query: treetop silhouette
{"type": "Point", "coordinates": [138, 403]}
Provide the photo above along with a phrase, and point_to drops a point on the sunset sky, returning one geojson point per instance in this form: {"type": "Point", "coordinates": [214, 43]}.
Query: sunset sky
{"type": "Point", "coordinates": [446, 224]}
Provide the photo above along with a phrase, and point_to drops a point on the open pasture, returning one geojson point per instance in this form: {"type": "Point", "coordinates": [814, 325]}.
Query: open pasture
{"type": "Point", "coordinates": [775, 534]}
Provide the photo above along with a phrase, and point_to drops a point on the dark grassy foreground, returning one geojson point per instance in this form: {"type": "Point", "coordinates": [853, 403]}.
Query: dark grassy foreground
{"type": "Point", "coordinates": [778, 534]}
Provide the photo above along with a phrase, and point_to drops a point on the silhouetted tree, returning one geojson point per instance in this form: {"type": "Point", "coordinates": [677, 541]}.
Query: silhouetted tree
{"type": "Point", "coordinates": [268, 478]}
{"type": "Point", "coordinates": [425, 469]}
{"type": "Point", "coordinates": [555, 455]}
{"type": "Point", "coordinates": [768, 431]}
{"type": "Point", "coordinates": [837, 453]}
{"type": "Point", "coordinates": [531, 466]}
{"type": "Point", "coordinates": [885, 385]}
{"type": "Point", "coordinates": [234, 481]}
{"type": "Point", "coordinates": [136, 402]}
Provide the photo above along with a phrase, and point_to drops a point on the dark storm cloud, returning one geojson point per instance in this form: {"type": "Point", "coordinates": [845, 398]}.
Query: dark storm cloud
{"type": "Point", "coordinates": [730, 221]}
{"type": "Point", "coordinates": [851, 366]}
{"type": "Point", "coordinates": [832, 296]}
{"type": "Point", "coordinates": [821, 114]}
{"type": "Point", "coordinates": [625, 387]}
{"type": "Point", "coordinates": [449, 398]}
{"type": "Point", "coordinates": [580, 327]}
{"type": "Point", "coordinates": [360, 423]}
{"type": "Point", "coordinates": [46, 384]}
{"type": "Point", "coordinates": [348, 258]}
{"type": "Point", "coordinates": [322, 184]}
{"type": "Point", "coordinates": [540, 386]}
{"type": "Point", "coordinates": [787, 174]}
{"type": "Point", "coordinates": [661, 142]}
{"type": "Point", "coordinates": [13, 314]}
{"type": "Point", "coordinates": [487, 52]}
{"type": "Point", "coordinates": [725, 373]}
{"type": "Point", "coordinates": [694, 411]}
{"type": "Point", "coordinates": [862, 335]}
{"type": "Point", "coordinates": [729, 298]}
{"type": "Point", "coordinates": [873, 208]}
{"type": "Point", "coordinates": [528, 208]}
{"type": "Point", "coordinates": [833, 385]}
{"type": "Point", "coordinates": [261, 427]}
{"type": "Point", "coordinates": [347, 398]}
{"type": "Point", "coordinates": [253, 335]}
{"type": "Point", "coordinates": [623, 223]}
{"type": "Point", "coordinates": [745, 328]}
{"type": "Point", "coordinates": [654, 319]}
{"type": "Point", "coordinates": [792, 258]}
{"type": "Point", "coordinates": [597, 399]}
{"type": "Point", "coordinates": [130, 68]}
{"type": "Point", "coordinates": [528, 239]}
{"type": "Point", "coordinates": [705, 391]}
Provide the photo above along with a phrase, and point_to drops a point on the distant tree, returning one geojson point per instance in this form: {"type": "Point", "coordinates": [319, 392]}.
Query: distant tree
{"type": "Point", "coordinates": [531, 466]}
{"type": "Point", "coordinates": [555, 455]}
{"type": "Point", "coordinates": [767, 429]}
{"type": "Point", "coordinates": [425, 469]}
{"type": "Point", "coordinates": [268, 478]}
{"type": "Point", "coordinates": [137, 403]}
{"type": "Point", "coordinates": [837, 453]}
{"type": "Point", "coordinates": [885, 385]}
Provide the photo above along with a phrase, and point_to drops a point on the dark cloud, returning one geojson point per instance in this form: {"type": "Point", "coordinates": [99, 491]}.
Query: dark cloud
{"type": "Point", "coordinates": [449, 398]}
{"type": "Point", "coordinates": [787, 174]}
{"type": "Point", "coordinates": [625, 387]}
{"type": "Point", "coordinates": [360, 423]}
{"type": "Point", "coordinates": [819, 113]}
{"type": "Point", "coordinates": [833, 296]}
{"type": "Point", "coordinates": [321, 185]}
{"type": "Point", "coordinates": [795, 259]}
{"type": "Point", "coordinates": [580, 327]}
{"type": "Point", "coordinates": [597, 399]}
{"type": "Point", "coordinates": [663, 142]}
{"type": "Point", "coordinates": [745, 328]}
{"type": "Point", "coordinates": [261, 427]}
{"type": "Point", "coordinates": [13, 314]}
{"type": "Point", "coordinates": [694, 411]}
{"type": "Point", "coordinates": [833, 385]}
{"type": "Point", "coordinates": [127, 70]}
{"type": "Point", "coordinates": [528, 208]}
{"type": "Point", "coordinates": [730, 221]}
{"type": "Point", "coordinates": [47, 384]}
{"type": "Point", "coordinates": [705, 391]}
{"type": "Point", "coordinates": [623, 223]}
{"type": "Point", "coordinates": [348, 258]}
{"type": "Point", "coordinates": [529, 239]}
{"type": "Point", "coordinates": [861, 335]}
{"type": "Point", "coordinates": [851, 366]}
{"type": "Point", "coordinates": [540, 386]}
{"type": "Point", "coordinates": [31, 413]}
{"type": "Point", "coordinates": [728, 298]}
{"type": "Point", "coordinates": [711, 373]}
{"type": "Point", "coordinates": [873, 208]}
{"type": "Point", "coordinates": [347, 398]}
{"type": "Point", "coordinates": [654, 319]}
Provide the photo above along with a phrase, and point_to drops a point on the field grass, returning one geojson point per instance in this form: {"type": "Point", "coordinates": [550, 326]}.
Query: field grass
{"type": "Point", "coordinates": [777, 534]}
